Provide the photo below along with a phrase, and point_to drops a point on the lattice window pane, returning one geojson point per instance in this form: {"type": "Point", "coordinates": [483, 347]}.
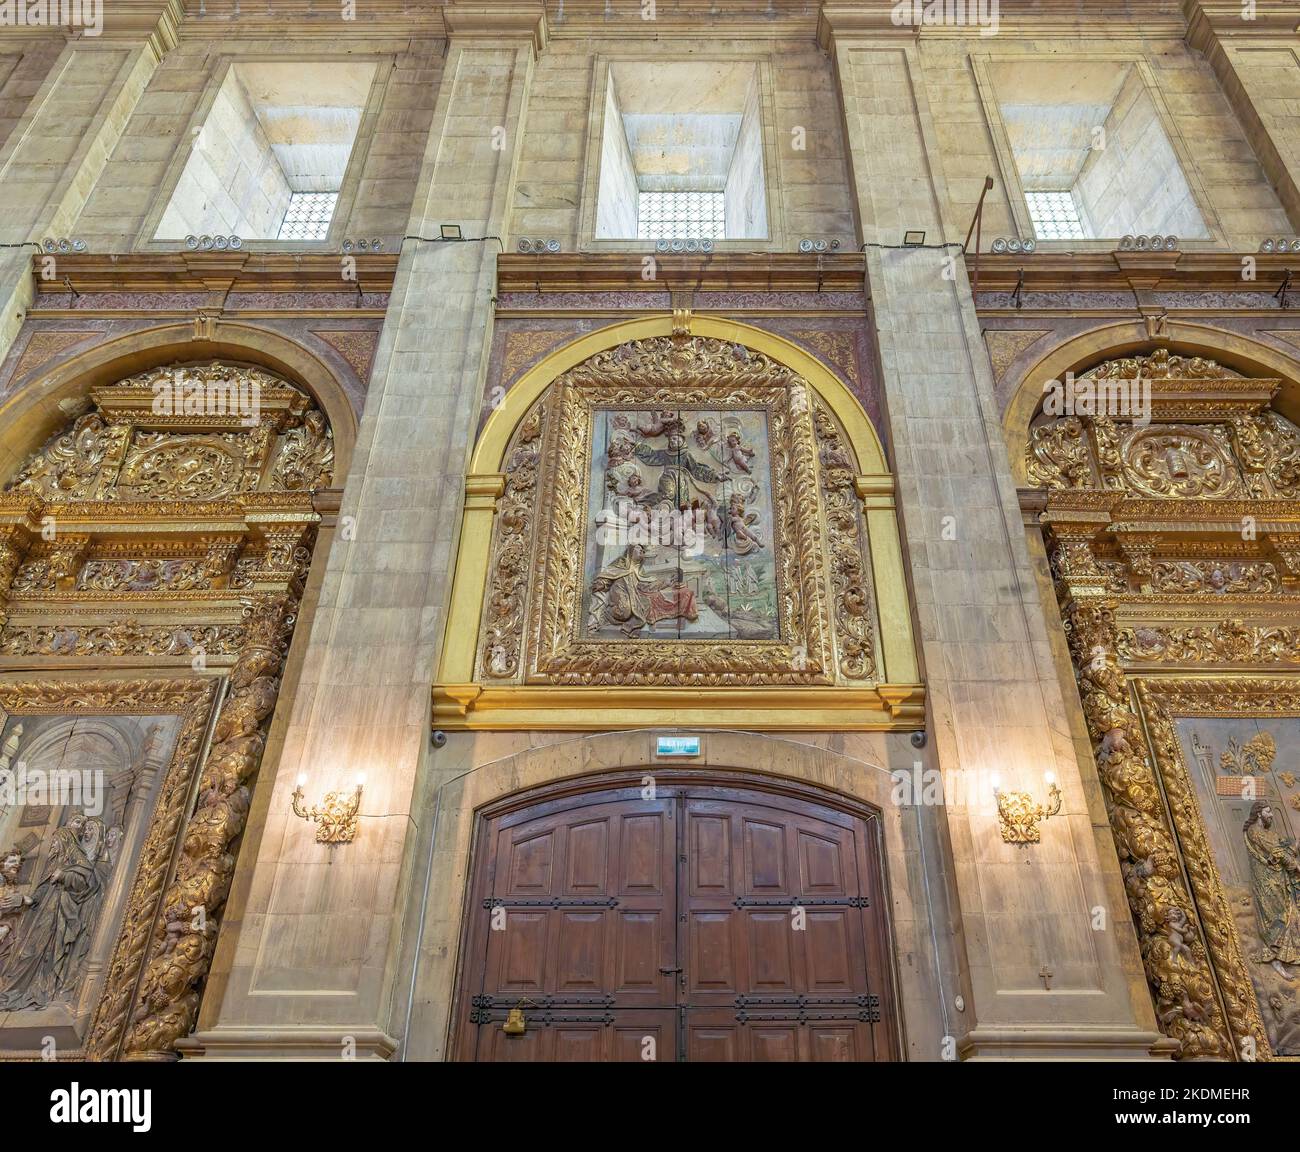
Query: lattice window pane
{"type": "Point", "coordinates": [309, 215]}
{"type": "Point", "coordinates": [1055, 215]}
{"type": "Point", "coordinates": [680, 216]}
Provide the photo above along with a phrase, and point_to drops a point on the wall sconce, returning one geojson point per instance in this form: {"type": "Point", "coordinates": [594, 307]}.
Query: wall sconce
{"type": "Point", "coordinates": [1019, 816]}
{"type": "Point", "coordinates": [335, 817]}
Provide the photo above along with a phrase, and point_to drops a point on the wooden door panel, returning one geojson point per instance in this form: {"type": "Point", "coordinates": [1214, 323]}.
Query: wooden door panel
{"type": "Point", "coordinates": [768, 906]}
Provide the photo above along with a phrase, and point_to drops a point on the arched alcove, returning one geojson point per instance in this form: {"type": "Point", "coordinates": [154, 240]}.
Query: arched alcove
{"type": "Point", "coordinates": [751, 448]}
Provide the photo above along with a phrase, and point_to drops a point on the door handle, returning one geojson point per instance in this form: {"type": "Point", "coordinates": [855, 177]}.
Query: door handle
{"type": "Point", "coordinates": [669, 971]}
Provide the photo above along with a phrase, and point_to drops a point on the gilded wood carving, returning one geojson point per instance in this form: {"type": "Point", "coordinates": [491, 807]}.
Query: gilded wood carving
{"type": "Point", "coordinates": [172, 522]}
{"type": "Point", "coordinates": [1170, 544]}
{"type": "Point", "coordinates": [748, 568]}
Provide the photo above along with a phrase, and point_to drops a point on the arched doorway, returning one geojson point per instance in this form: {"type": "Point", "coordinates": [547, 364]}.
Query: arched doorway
{"type": "Point", "coordinates": [680, 916]}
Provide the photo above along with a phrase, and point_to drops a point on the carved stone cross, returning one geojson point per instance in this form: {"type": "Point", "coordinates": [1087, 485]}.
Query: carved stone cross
{"type": "Point", "coordinates": [1045, 975]}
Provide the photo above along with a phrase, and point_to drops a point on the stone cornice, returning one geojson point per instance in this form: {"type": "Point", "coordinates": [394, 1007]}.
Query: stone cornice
{"type": "Point", "coordinates": [1131, 271]}
{"type": "Point", "coordinates": [217, 271]}
{"type": "Point", "coordinates": [498, 22]}
{"type": "Point", "coordinates": [625, 272]}
{"type": "Point", "coordinates": [1212, 24]}
{"type": "Point", "coordinates": [1108, 19]}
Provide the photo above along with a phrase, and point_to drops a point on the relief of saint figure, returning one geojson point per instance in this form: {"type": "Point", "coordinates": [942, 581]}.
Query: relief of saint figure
{"type": "Point", "coordinates": [625, 597]}
{"type": "Point", "coordinates": [682, 475]}
{"type": "Point", "coordinates": [1275, 883]}
{"type": "Point", "coordinates": [53, 934]}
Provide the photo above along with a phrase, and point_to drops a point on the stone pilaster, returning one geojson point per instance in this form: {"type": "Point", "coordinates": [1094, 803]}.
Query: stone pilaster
{"type": "Point", "coordinates": [1039, 923]}
{"type": "Point", "coordinates": [53, 156]}
{"type": "Point", "coordinates": [314, 964]}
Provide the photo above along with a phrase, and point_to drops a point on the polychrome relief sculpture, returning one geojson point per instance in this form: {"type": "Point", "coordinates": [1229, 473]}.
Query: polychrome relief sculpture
{"type": "Point", "coordinates": [695, 529]}
{"type": "Point", "coordinates": [681, 526]}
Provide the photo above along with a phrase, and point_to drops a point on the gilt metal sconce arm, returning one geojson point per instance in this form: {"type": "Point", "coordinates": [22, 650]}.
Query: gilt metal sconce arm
{"type": "Point", "coordinates": [1020, 816]}
{"type": "Point", "coordinates": [335, 816]}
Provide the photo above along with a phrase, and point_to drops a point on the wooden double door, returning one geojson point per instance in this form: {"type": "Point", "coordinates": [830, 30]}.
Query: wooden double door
{"type": "Point", "coordinates": [675, 919]}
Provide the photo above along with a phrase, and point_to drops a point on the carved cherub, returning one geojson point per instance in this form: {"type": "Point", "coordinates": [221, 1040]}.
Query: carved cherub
{"type": "Point", "coordinates": [705, 434]}
{"type": "Point", "coordinates": [737, 453]}
{"type": "Point", "coordinates": [1177, 929]}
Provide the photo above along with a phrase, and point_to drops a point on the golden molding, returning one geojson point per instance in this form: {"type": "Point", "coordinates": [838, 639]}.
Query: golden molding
{"type": "Point", "coordinates": [190, 698]}
{"type": "Point", "coordinates": [1161, 701]}
{"type": "Point", "coordinates": [882, 707]}
{"type": "Point", "coordinates": [511, 660]}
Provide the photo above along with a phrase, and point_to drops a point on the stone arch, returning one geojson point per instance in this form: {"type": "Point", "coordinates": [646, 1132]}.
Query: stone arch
{"type": "Point", "coordinates": [1243, 354]}
{"type": "Point", "coordinates": [868, 471]}
{"type": "Point", "coordinates": [782, 764]}
{"type": "Point", "coordinates": [489, 451]}
{"type": "Point", "coordinates": [34, 413]}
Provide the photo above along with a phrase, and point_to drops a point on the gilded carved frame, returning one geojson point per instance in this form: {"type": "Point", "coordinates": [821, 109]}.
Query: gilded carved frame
{"type": "Point", "coordinates": [846, 657]}
{"type": "Point", "coordinates": [1173, 606]}
{"type": "Point", "coordinates": [191, 699]}
{"type": "Point", "coordinates": [1161, 701]}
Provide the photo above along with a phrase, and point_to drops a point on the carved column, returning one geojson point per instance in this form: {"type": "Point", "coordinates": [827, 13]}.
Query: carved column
{"type": "Point", "coordinates": [1181, 979]}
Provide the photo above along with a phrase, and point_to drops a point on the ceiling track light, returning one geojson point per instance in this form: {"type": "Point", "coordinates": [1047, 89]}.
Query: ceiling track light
{"type": "Point", "coordinates": [206, 243]}
{"type": "Point", "coordinates": [1014, 245]}
{"type": "Point", "coordinates": [1148, 243]}
{"type": "Point", "coordinates": [680, 246]}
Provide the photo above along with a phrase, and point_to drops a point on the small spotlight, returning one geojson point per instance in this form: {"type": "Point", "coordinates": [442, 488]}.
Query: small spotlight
{"type": "Point", "coordinates": [1000, 245]}
{"type": "Point", "coordinates": [348, 245]}
{"type": "Point", "coordinates": [1028, 245]}
{"type": "Point", "coordinates": [1282, 244]}
{"type": "Point", "coordinates": [660, 245]}
{"type": "Point", "coordinates": [1267, 246]}
{"type": "Point", "coordinates": [78, 245]}
{"type": "Point", "coordinates": [1142, 243]}
{"type": "Point", "coordinates": [236, 242]}
{"type": "Point", "coordinates": [819, 245]}
{"type": "Point", "coordinates": [805, 245]}
{"type": "Point", "coordinates": [205, 242]}
{"type": "Point", "coordinates": [706, 245]}
{"type": "Point", "coordinates": [679, 245]}
{"type": "Point", "coordinates": [913, 239]}
{"type": "Point", "coordinates": [525, 245]}
{"type": "Point", "coordinates": [376, 245]}
{"type": "Point", "coordinates": [51, 245]}
{"type": "Point", "coordinates": [449, 232]}
{"type": "Point", "coordinates": [552, 245]}
{"type": "Point", "coordinates": [191, 242]}
{"type": "Point", "coordinates": [362, 246]}
{"type": "Point", "coordinates": [220, 243]}
{"type": "Point", "coordinates": [1014, 245]}
{"type": "Point", "coordinates": [1171, 243]}
{"type": "Point", "coordinates": [1127, 244]}
{"type": "Point", "coordinates": [65, 246]}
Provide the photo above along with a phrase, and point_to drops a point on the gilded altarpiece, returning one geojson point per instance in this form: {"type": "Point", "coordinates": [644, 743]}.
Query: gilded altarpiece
{"type": "Point", "coordinates": [152, 554]}
{"type": "Point", "coordinates": [1174, 544]}
{"type": "Point", "coordinates": [681, 512]}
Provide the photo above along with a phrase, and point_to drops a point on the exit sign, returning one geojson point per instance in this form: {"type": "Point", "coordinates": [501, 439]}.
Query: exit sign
{"type": "Point", "coordinates": [677, 746]}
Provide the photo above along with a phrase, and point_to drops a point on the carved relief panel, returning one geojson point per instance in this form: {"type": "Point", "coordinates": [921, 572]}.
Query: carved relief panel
{"type": "Point", "coordinates": [1172, 544]}
{"type": "Point", "coordinates": [679, 511]}
{"type": "Point", "coordinates": [171, 525]}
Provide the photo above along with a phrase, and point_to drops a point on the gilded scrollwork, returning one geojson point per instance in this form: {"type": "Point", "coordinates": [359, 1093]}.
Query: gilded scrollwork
{"type": "Point", "coordinates": [1181, 978]}
{"type": "Point", "coordinates": [1230, 640]}
{"type": "Point", "coordinates": [504, 611]}
{"type": "Point", "coordinates": [1228, 443]}
{"type": "Point", "coordinates": [728, 441]}
{"type": "Point", "coordinates": [156, 500]}
{"type": "Point", "coordinates": [1165, 557]}
{"type": "Point", "coordinates": [163, 1007]}
{"type": "Point", "coordinates": [851, 590]}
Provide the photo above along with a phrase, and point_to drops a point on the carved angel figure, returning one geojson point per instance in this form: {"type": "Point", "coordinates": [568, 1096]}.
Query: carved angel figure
{"type": "Point", "coordinates": [306, 460]}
